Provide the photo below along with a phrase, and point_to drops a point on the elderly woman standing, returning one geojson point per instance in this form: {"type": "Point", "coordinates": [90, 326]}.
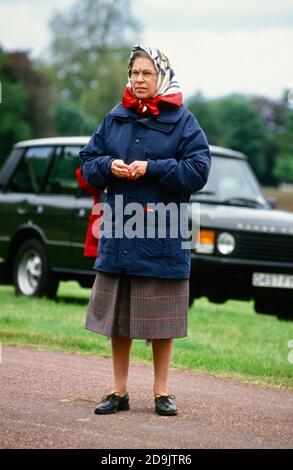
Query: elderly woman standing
{"type": "Point", "coordinates": [149, 149]}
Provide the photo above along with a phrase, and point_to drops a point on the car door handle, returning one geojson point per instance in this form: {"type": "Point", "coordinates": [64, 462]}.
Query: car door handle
{"type": "Point", "coordinates": [81, 213]}
{"type": "Point", "coordinates": [21, 210]}
{"type": "Point", "coordinates": [40, 209]}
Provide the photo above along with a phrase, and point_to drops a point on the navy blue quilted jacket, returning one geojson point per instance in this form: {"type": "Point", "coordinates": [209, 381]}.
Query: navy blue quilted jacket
{"type": "Point", "coordinates": [179, 160]}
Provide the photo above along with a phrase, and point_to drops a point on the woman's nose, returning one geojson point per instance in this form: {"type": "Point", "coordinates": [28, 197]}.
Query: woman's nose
{"type": "Point", "coordinates": [140, 77]}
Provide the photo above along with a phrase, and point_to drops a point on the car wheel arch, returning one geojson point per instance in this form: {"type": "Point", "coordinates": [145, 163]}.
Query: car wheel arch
{"type": "Point", "coordinates": [20, 237]}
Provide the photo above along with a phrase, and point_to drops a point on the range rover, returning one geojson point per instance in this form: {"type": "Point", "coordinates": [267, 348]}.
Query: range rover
{"type": "Point", "coordinates": [244, 248]}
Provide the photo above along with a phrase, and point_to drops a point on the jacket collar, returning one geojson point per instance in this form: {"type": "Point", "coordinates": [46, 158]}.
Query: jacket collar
{"type": "Point", "coordinates": [169, 117]}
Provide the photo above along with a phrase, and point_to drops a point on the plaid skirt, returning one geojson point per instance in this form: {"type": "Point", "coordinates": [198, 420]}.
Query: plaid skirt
{"type": "Point", "coordinates": [138, 307]}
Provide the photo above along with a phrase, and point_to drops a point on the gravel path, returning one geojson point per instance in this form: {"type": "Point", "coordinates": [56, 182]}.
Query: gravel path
{"type": "Point", "coordinates": [47, 400]}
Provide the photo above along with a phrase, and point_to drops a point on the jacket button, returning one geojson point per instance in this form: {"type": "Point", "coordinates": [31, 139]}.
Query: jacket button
{"type": "Point", "coordinates": [125, 252]}
{"type": "Point", "coordinates": [137, 141]}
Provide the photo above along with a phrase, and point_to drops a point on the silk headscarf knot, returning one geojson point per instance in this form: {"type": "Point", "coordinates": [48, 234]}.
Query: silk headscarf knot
{"type": "Point", "coordinates": [168, 89]}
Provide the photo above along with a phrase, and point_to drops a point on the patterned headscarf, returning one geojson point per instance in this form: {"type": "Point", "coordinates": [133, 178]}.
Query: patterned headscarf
{"type": "Point", "coordinates": [168, 89]}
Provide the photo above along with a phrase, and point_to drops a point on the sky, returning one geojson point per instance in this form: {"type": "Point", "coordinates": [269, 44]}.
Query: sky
{"type": "Point", "coordinates": [216, 47]}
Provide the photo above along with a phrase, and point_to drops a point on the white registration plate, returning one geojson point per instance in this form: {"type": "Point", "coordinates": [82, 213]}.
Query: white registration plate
{"type": "Point", "coordinates": [281, 281]}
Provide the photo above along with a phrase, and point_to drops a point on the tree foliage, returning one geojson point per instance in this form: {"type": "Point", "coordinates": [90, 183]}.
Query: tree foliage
{"type": "Point", "coordinates": [84, 77]}
{"type": "Point", "coordinates": [256, 126]}
{"type": "Point", "coordinates": [25, 107]}
{"type": "Point", "coordinates": [69, 121]}
{"type": "Point", "coordinates": [283, 169]}
{"type": "Point", "coordinates": [14, 125]}
{"type": "Point", "coordinates": [90, 49]}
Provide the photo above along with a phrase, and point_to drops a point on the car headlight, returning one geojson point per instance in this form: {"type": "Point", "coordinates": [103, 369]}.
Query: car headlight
{"type": "Point", "coordinates": [205, 241]}
{"type": "Point", "coordinates": [226, 243]}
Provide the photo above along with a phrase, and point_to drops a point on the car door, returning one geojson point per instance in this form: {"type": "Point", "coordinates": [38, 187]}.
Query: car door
{"type": "Point", "coordinates": [72, 207]}
{"type": "Point", "coordinates": [18, 199]}
{"type": "Point", "coordinates": [55, 207]}
{"type": "Point", "coordinates": [83, 206]}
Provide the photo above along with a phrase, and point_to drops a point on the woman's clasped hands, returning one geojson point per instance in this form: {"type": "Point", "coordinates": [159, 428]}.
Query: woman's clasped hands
{"type": "Point", "coordinates": [131, 172]}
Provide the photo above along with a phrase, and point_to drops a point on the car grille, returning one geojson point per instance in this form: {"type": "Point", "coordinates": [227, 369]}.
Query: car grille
{"type": "Point", "coordinates": [264, 246]}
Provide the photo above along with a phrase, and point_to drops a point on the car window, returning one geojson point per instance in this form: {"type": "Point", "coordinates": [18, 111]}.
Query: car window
{"type": "Point", "coordinates": [230, 178]}
{"type": "Point", "coordinates": [30, 171]}
{"type": "Point", "coordinates": [62, 178]}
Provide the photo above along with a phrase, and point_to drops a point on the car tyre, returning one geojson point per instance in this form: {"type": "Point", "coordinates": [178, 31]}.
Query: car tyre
{"type": "Point", "coordinates": [31, 271]}
{"type": "Point", "coordinates": [279, 306]}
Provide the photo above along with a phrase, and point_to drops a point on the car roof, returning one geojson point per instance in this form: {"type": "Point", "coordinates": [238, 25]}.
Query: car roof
{"type": "Point", "coordinates": [224, 152]}
{"type": "Point", "coordinates": [83, 140]}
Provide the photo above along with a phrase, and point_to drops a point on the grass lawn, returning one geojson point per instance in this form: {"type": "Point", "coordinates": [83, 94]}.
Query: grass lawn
{"type": "Point", "coordinates": [228, 340]}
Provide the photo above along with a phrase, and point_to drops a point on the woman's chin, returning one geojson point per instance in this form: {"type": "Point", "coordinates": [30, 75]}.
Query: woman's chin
{"type": "Point", "coordinates": [142, 95]}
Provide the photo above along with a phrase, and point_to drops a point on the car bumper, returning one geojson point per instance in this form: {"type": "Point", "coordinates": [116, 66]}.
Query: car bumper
{"type": "Point", "coordinates": [221, 278]}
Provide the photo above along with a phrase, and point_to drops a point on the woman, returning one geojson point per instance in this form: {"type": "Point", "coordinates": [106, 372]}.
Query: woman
{"type": "Point", "coordinates": [149, 149]}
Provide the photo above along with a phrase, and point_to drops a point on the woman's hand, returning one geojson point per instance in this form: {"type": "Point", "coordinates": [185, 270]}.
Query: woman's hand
{"type": "Point", "coordinates": [131, 172]}
{"type": "Point", "coordinates": [120, 169]}
{"type": "Point", "coordinates": [137, 169]}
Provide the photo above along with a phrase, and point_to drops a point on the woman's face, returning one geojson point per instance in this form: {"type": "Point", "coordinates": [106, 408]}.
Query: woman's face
{"type": "Point", "coordinates": [143, 78]}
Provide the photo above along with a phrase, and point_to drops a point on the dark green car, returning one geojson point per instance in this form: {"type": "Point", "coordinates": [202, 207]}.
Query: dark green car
{"type": "Point", "coordinates": [44, 216]}
{"type": "Point", "coordinates": [244, 248]}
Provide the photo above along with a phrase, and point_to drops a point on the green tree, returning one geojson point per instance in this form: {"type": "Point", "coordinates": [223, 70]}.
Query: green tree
{"type": "Point", "coordinates": [25, 107]}
{"type": "Point", "coordinates": [90, 49]}
{"type": "Point", "coordinates": [243, 129]}
{"type": "Point", "coordinates": [207, 118]}
{"type": "Point", "coordinates": [69, 121]}
{"type": "Point", "coordinates": [232, 121]}
{"type": "Point", "coordinates": [272, 114]}
{"type": "Point", "coordinates": [287, 135]}
{"type": "Point", "coordinates": [36, 81]}
{"type": "Point", "coordinates": [13, 110]}
{"type": "Point", "coordinates": [283, 169]}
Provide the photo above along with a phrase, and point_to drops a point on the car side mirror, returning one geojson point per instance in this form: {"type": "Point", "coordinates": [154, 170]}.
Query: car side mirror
{"type": "Point", "coordinates": [272, 201]}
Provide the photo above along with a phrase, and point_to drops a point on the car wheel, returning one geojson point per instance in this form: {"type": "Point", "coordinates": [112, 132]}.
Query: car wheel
{"type": "Point", "coordinates": [261, 305]}
{"type": "Point", "coordinates": [31, 269]}
{"type": "Point", "coordinates": [279, 306]}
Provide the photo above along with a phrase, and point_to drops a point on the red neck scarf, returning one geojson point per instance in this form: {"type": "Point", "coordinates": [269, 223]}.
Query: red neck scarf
{"type": "Point", "coordinates": [150, 105]}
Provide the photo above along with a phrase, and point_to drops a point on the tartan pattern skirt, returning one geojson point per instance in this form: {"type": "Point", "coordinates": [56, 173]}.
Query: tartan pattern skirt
{"type": "Point", "coordinates": [138, 307]}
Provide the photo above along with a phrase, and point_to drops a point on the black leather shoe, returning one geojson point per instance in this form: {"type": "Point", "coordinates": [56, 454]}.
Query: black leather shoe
{"type": "Point", "coordinates": [165, 405]}
{"type": "Point", "coordinates": [112, 403]}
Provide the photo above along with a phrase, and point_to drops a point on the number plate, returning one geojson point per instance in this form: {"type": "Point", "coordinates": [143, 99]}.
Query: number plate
{"type": "Point", "coordinates": [281, 281]}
